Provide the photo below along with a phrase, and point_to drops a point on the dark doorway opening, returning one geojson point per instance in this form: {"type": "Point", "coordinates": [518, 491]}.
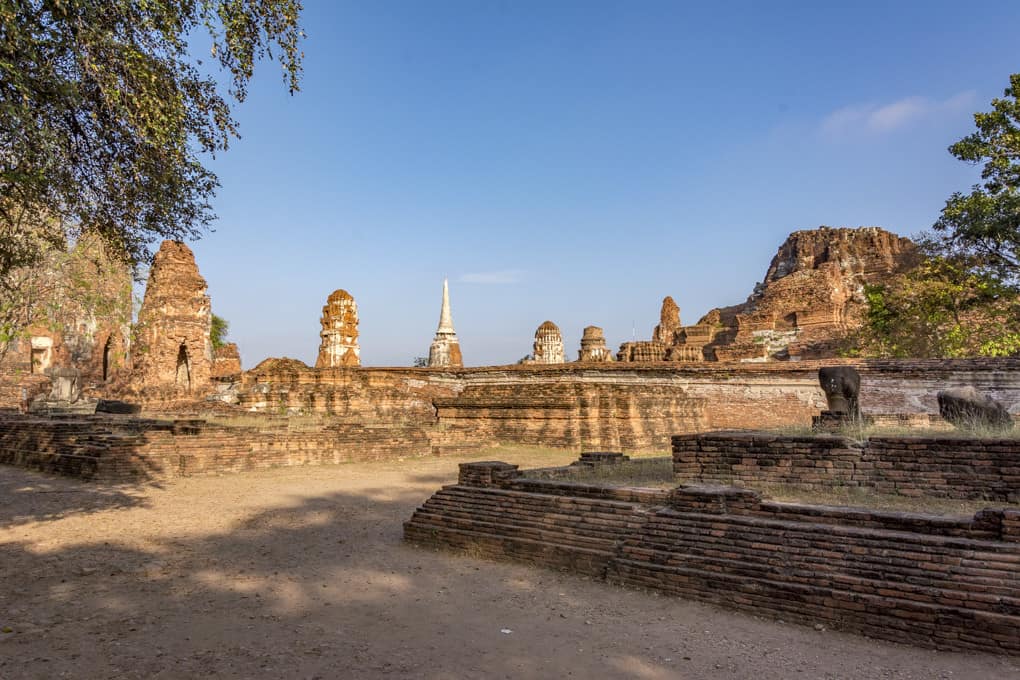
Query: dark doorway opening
{"type": "Point", "coordinates": [106, 359]}
{"type": "Point", "coordinates": [183, 368]}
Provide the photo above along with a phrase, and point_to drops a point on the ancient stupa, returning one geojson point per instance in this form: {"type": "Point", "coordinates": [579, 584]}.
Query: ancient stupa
{"type": "Point", "coordinates": [548, 347]}
{"type": "Point", "coordinates": [339, 334]}
{"type": "Point", "coordinates": [445, 349]}
{"type": "Point", "coordinates": [593, 346]}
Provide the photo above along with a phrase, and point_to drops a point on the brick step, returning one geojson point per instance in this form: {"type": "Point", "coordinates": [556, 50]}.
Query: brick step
{"type": "Point", "coordinates": [1003, 598]}
{"type": "Point", "coordinates": [913, 621]}
{"type": "Point", "coordinates": [547, 516]}
{"type": "Point", "coordinates": [582, 560]}
{"type": "Point", "coordinates": [517, 530]}
{"type": "Point", "coordinates": [528, 519]}
{"type": "Point", "coordinates": [553, 504]}
{"type": "Point", "coordinates": [894, 537]}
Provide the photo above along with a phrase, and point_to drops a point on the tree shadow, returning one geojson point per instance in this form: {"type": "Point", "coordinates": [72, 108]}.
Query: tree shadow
{"type": "Point", "coordinates": [27, 497]}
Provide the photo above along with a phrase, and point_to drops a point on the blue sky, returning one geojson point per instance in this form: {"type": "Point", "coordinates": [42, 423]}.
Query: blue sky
{"type": "Point", "coordinates": [578, 161]}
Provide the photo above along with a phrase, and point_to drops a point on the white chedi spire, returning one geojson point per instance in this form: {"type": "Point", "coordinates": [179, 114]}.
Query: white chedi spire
{"type": "Point", "coordinates": [445, 349]}
{"type": "Point", "coordinates": [445, 320]}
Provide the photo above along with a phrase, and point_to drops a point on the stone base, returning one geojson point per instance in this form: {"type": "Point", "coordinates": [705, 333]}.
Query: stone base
{"type": "Point", "coordinates": [837, 421]}
{"type": "Point", "coordinates": [596, 458]}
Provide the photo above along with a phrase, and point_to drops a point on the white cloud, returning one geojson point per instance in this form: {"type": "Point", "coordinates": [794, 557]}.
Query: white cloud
{"type": "Point", "coordinates": [505, 276]}
{"type": "Point", "coordinates": [878, 119]}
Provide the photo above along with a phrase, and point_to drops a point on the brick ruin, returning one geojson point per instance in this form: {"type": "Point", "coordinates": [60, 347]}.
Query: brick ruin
{"type": "Point", "coordinates": [226, 361]}
{"type": "Point", "coordinates": [811, 298]}
{"type": "Point", "coordinates": [174, 350]}
{"type": "Point", "coordinates": [593, 346]}
{"type": "Point", "coordinates": [84, 349]}
{"type": "Point", "coordinates": [944, 582]}
{"type": "Point", "coordinates": [339, 334]}
{"type": "Point", "coordinates": [79, 326]}
{"type": "Point", "coordinates": [914, 466]}
{"type": "Point", "coordinates": [445, 349]}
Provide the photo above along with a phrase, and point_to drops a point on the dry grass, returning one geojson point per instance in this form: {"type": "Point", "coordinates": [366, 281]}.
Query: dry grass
{"type": "Point", "coordinates": [862, 432]}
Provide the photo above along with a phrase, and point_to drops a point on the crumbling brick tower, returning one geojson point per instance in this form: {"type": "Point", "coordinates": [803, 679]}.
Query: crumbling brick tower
{"type": "Point", "coordinates": [339, 334]}
{"type": "Point", "coordinates": [173, 347]}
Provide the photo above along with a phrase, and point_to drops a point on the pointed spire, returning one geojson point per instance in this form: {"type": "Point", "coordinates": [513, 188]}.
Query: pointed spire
{"type": "Point", "coordinates": [445, 320]}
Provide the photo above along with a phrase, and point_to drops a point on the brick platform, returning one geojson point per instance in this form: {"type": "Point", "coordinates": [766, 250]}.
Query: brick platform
{"type": "Point", "coordinates": [948, 583]}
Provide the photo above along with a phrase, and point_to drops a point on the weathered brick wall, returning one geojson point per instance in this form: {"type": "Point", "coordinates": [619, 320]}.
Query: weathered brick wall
{"type": "Point", "coordinates": [948, 583]}
{"type": "Point", "coordinates": [610, 406]}
{"type": "Point", "coordinates": [133, 449]}
{"type": "Point", "coordinates": [949, 467]}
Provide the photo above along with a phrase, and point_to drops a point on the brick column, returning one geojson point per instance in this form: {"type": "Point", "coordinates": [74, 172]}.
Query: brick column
{"type": "Point", "coordinates": [486, 473]}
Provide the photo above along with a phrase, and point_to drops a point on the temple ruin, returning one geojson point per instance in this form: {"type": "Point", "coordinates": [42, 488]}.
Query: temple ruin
{"type": "Point", "coordinates": [445, 349]}
{"type": "Point", "coordinates": [593, 346]}
{"type": "Point", "coordinates": [548, 347]}
{"type": "Point", "coordinates": [812, 295]}
{"type": "Point", "coordinates": [810, 301]}
{"type": "Point", "coordinates": [339, 334]}
{"type": "Point", "coordinates": [173, 348]}
{"type": "Point", "coordinates": [78, 308]}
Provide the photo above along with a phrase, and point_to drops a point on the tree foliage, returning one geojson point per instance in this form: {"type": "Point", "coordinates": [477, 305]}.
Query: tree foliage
{"type": "Point", "coordinates": [69, 285]}
{"type": "Point", "coordinates": [218, 331]}
{"type": "Point", "coordinates": [986, 222]}
{"type": "Point", "coordinates": [945, 307]}
{"type": "Point", "coordinates": [105, 114]}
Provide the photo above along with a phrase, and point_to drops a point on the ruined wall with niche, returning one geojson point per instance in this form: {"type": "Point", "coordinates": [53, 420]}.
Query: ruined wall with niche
{"type": "Point", "coordinates": [79, 314]}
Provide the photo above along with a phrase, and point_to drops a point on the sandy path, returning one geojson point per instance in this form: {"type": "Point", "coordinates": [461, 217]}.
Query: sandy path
{"type": "Point", "coordinates": [301, 573]}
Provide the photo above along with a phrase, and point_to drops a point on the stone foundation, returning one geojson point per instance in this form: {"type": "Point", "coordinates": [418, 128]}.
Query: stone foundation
{"type": "Point", "coordinates": [947, 583]}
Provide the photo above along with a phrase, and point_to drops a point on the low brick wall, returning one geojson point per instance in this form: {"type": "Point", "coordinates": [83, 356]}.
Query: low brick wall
{"type": "Point", "coordinates": [124, 449]}
{"type": "Point", "coordinates": [946, 467]}
{"type": "Point", "coordinates": [948, 583]}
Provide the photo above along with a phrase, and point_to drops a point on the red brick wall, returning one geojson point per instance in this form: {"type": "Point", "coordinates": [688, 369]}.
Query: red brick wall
{"type": "Point", "coordinates": [948, 467]}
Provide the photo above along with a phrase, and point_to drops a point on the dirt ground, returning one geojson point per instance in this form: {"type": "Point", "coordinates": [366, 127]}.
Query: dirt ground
{"type": "Point", "coordinates": [301, 573]}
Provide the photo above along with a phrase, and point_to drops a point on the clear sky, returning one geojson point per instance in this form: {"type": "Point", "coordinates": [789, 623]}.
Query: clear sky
{"type": "Point", "coordinates": [578, 161]}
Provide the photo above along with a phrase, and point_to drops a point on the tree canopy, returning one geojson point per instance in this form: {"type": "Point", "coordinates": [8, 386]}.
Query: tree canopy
{"type": "Point", "coordinates": [964, 297]}
{"type": "Point", "coordinates": [986, 222]}
{"type": "Point", "coordinates": [218, 331]}
{"type": "Point", "coordinates": [106, 115]}
{"type": "Point", "coordinates": [945, 307]}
